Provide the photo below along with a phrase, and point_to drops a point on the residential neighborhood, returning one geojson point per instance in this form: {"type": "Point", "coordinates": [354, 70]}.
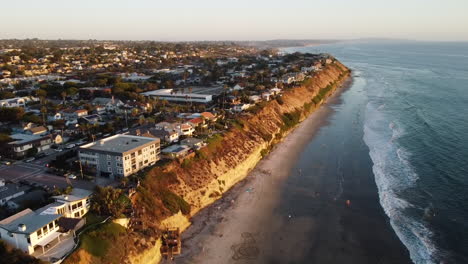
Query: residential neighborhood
{"type": "Point", "coordinates": [83, 120]}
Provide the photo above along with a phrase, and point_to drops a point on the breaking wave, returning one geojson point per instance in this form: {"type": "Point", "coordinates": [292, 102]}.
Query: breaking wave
{"type": "Point", "coordinates": [393, 175]}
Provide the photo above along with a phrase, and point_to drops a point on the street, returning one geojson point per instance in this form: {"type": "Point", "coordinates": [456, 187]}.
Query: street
{"type": "Point", "coordinates": [35, 172]}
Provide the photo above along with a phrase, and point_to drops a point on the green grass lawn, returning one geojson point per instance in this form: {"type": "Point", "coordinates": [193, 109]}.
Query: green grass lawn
{"type": "Point", "coordinates": [98, 240]}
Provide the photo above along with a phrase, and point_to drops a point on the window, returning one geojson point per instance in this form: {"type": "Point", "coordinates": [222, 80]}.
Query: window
{"type": "Point", "coordinates": [108, 157]}
{"type": "Point", "coordinates": [108, 163]}
{"type": "Point", "coordinates": [139, 152]}
{"type": "Point", "coordinates": [51, 225]}
{"type": "Point", "coordinates": [109, 169]}
{"type": "Point", "coordinates": [80, 204]}
{"type": "Point", "coordinates": [28, 239]}
{"type": "Point", "coordinates": [77, 214]}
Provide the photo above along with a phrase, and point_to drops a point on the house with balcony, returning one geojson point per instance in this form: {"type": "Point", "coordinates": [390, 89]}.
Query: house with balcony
{"type": "Point", "coordinates": [29, 230]}
{"type": "Point", "coordinates": [73, 205]}
{"type": "Point", "coordinates": [10, 191]}
{"type": "Point", "coordinates": [22, 143]}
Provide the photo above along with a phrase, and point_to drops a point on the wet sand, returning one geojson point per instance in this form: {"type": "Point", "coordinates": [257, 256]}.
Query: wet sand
{"type": "Point", "coordinates": [270, 217]}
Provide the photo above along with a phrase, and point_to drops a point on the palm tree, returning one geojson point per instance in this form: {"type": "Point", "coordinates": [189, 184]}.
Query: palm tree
{"type": "Point", "coordinates": [44, 112]}
{"type": "Point", "coordinates": [64, 95]}
{"type": "Point", "coordinates": [190, 95]}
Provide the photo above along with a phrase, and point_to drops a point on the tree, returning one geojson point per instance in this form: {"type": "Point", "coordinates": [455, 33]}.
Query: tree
{"type": "Point", "coordinates": [108, 201]}
{"type": "Point", "coordinates": [6, 95]}
{"type": "Point", "coordinates": [44, 112]}
{"type": "Point", "coordinates": [12, 255]}
{"type": "Point", "coordinates": [72, 91]}
{"type": "Point", "coordinates": [11, 114]}
{"type": "Point", "coordinates": [64, 96]}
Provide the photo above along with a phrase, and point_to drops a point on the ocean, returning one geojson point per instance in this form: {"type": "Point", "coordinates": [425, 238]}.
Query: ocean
{"type": "Point", "coordinates": [404, 122]}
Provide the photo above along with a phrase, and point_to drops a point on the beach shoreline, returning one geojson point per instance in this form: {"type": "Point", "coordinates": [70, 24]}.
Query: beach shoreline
{"type": "Point", "coordinates": [217, 230]}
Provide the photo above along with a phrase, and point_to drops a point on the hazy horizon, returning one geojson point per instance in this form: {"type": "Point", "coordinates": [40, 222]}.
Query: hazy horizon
{"type": "Point", "coordinates": [209, 20]}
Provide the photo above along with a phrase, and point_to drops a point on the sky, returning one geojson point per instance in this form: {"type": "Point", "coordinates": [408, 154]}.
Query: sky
{"type": "Point", "coordinates": [180, 20]}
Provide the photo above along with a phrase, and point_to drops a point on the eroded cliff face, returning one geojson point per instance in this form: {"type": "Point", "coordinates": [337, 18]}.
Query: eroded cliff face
{"type": "Point", "coordinates": [205, 180]}
{"type": "Point", "coordinates": [219, 167]}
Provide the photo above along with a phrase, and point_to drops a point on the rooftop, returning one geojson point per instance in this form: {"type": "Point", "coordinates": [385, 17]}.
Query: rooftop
{"type": "Point", "coordinates": [23, 138]}
{"type": "Point", "coordinates": [119, 143]}
{"type": "Point", "coordinates": [29, 218]}
{"type": "Point", "coordinates": [10, 189]}
{"type": "Point", "coordinates": [75, 195]}
{"type": "Point", "coordinates": [176, 149]}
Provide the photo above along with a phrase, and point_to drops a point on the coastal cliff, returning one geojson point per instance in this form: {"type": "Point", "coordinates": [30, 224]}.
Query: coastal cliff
{"type": "Point", "coordinates": [170, 195]}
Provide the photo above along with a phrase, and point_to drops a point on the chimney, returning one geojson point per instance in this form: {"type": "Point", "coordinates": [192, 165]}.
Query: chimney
{"type": "Point", "coordinates": [22, 227]}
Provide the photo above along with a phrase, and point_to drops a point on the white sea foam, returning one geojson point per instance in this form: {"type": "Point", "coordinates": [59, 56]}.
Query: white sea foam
{"type": "Point", "coordinates": [393, 174]}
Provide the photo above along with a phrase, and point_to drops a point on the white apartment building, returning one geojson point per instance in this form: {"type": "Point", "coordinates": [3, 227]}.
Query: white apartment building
{"type": "Point", "coordinates": [120, 155]}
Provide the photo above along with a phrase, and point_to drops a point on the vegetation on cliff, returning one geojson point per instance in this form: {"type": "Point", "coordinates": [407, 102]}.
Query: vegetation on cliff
{"type": "Point", "coordinates": [193, 184]}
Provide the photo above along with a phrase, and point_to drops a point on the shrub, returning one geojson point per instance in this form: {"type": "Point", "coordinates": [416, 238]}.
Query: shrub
{"type": "Point", "coordinates": [174, 202]}
{"type": "Point", "coordinates": [280, 100]}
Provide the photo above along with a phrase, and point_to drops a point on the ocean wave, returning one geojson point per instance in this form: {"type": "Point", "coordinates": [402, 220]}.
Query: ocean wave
{"type": "Point", "coordinates": [394, 174]}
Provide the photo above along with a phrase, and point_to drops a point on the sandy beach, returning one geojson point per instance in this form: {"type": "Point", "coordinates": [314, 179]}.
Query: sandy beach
{"type": "Point", "coordinates": [245, 226]}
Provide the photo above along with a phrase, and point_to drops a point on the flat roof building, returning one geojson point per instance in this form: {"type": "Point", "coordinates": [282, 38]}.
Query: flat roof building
{"type": "Point", "coordinates": [120, 155]}
{"type": "Point", "coordinates": [171, 96]}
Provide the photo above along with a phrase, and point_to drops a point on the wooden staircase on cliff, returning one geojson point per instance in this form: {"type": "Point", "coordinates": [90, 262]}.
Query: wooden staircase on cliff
{"type": "Point", "coordinates": [171, 243]}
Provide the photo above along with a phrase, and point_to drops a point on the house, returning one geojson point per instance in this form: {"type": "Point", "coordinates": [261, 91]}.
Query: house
{"type": "Point", "coordinates": [90, 119]}
{"type": "Point", "coordinates": [266, 96]}
{"type": "Point", "coordinates": [54, 117]}
{"type": "Point", "coordinates": [175, 151]}
{"type": "Point", "coordinates": [120, 155]}
{"type": "Point", "coordinates": [71, 114]}
{"type": "Point", "coordinates": [28, 230]}
{"type": "Point", "coordinates": [194, 143]}
{"type": "Point", "coordinates": [164, 126]}
{"type": "Point", "coordinates": [241, 107]}
{"type": "Point", "coordinates": [39, 130]}
{"type": "Point", "coordinates": [35, 196]}
{"type": "Point", "coordinates": [111, 104]}
{"type": "Point", "coordinates": [13, 102]}
{"type": "Point", "coordinates": [173, 96]}
{"type": "Point", "coordinates": [168, 136]}
{"type": "Point", "coordinates": [10, 191]}
{"type": "Point", "coordinates": [275, 91]}
{"type": "Point", "coordinates": [237, 87]}
{"type": "Point", "coordinates": [23, 143]}
{"type": "Point", "coordinates": [184, 129]}
{"type": "Point", "coordinates": [197, 122]}
{"type": "Point", "coordinates": [73, 205]}
{"type": "Point", "coordinates": [99, 109]}
{"type": "Point", "coordinates": [208, 116]}
{"type": "Point", "coordinates": [255, 98]}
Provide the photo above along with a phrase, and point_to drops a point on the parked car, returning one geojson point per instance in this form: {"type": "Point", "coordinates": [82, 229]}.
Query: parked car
{"type": "Point", "coordinates": [41, 155]}
{"type": "Point", "coordinates": [29, 159]}
{"type": "Point", "coordinates": [70, 146]}
{"type": "Point", "coordinates": [59, 150]}
{"type": "Point", "coordinates": [6, 162]}
{"type": "Point", "coordinates": [71, 176]}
